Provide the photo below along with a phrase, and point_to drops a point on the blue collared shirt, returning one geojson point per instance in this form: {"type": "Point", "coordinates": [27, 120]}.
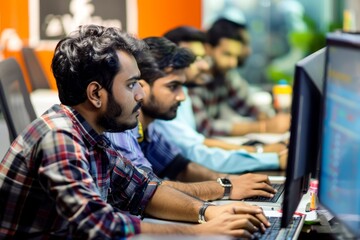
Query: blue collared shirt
{"type": "Point", "coordinates": [181, 131]}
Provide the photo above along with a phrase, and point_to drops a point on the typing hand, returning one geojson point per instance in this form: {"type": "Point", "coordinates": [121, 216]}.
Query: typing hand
{"type": "Point", "coordinates": [275, 147]}
{"type": "Point", "coordinates": [236, 219]}
{"type": "Point", "coordinates": [282, 150]}
{"type": "Point", "coordinates": [278, 124]}
{"type": "Point", "coordinates": [250, 185]}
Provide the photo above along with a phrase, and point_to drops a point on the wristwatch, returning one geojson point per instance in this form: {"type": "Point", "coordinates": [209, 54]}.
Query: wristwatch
{"type": "Point", "coordinates": [202, 212]}
{"type": "Point", "coordinates": [226, 184]}
{"type": "Point", "coordinates": [259, 148]}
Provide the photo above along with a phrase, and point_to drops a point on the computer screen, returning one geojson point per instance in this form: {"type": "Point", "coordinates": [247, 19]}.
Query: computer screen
{"type": "Point", "coordinates": [304, 130]}
{"type": "Point", "coordinates": [339, 175]}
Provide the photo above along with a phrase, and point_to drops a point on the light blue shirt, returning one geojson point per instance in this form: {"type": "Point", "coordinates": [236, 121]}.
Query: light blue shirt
{"type": "Point", "coordinates": [181, 131]}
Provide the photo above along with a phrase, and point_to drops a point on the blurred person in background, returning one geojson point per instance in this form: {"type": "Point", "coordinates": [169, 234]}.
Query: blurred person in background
{"type": "Point", "coordinates": [223, 107]}
{"type": "Point", "coordinates": [209, 152]}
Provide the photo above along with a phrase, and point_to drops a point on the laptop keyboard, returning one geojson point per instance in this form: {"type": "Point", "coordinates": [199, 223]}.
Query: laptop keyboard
{"type": "Point", "coordinates": [278, 187]}
{"type": "Point", "coordinates": [276, 232]}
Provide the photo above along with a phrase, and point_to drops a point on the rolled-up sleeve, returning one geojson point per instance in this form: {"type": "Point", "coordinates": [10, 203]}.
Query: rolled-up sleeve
{"type": "Point", "coordinates": [132, 193]}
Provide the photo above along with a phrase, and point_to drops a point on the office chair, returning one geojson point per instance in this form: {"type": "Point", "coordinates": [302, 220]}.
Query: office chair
{"type": "Point", "coordinates": [37, 76]}
{"type": "Point", "coordinates": [14, 98]}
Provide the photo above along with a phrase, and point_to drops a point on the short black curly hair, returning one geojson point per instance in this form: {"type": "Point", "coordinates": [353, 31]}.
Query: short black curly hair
{"type": "Point", "coordinates": [89, 54]}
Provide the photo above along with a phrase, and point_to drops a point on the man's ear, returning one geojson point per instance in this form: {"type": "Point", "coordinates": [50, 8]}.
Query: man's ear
{"type": "Point", "coordinates": [95, 94]}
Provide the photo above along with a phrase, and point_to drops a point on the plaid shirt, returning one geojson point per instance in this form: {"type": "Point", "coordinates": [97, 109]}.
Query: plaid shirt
{"type": "Point", "coordinates": [221, 102]}
{"type": "Point", "coordinates": [56, 180]}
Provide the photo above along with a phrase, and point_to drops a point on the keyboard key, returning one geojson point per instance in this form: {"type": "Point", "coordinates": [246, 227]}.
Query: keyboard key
{"type": "Point", "coordinates": [278, 187]}
{"type": "Point", "coordinates": [276, 232]}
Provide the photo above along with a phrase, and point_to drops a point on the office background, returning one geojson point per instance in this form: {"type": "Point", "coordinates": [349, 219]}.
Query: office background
{"type": "Point", "coordinates": [305, 27]}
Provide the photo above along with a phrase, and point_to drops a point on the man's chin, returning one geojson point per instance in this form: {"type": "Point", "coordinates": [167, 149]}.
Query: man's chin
{"type": "Point", "coordinates": [167, 117]}
{"type": "Point", "coordinates": [124, 127]}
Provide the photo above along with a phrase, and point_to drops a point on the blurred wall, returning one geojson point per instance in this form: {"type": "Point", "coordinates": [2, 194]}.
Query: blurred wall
{"type": "Point", "coordinates": [154, 17]}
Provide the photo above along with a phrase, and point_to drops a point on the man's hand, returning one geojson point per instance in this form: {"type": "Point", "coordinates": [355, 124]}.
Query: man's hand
{"type": "Point", "coordinates": [249, 185]}
{"type": "Point", "coordinates": [275, 147]}
{"type": "Point", "coordinates": [278, 124]}
{"type": "Point", "coordinates": [236, 219]}
{"type": "Point", "coordinates": [283, 159]}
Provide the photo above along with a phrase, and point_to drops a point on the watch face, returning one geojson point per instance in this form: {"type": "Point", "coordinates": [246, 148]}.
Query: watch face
{"type": "Point", "coordinates": [225, 181]}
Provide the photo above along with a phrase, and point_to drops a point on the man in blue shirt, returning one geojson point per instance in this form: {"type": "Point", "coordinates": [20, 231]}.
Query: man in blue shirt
{"type": "Point", "coordinates": [162, 76]}
{"type": "Point", "coordinates": [182, 132]}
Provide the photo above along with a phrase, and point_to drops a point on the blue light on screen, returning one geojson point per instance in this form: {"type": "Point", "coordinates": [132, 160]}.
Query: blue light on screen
{"type": "Point", "coordinates": [340, 161]}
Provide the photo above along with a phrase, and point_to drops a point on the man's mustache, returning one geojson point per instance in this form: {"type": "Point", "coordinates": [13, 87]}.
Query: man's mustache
{"type": "Point", "coordinates": [137, 107]}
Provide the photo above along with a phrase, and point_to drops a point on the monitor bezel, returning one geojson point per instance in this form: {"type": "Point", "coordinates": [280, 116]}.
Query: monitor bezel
{"type": "Point", "coordinates": [296, 186]}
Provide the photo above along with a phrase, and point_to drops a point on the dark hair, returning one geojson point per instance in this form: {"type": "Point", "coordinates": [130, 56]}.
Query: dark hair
{"type": "Point", "coordinates": [89, 54]}
{"type": "Point", "coordinates": [185, 34]}
{"type": "Point", "coordinates": [162, 53]}
{"type": "Point", "coordinates": [224, 28]}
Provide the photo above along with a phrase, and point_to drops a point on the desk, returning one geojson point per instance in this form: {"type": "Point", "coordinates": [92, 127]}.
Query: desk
{"type": "Point", "coordinates": [179, 237]}
{"type": "Point", "coordinates": [310, 216]}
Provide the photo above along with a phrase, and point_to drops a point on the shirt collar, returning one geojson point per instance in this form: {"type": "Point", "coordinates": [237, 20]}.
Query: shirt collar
{"type": "Point", "coordinates": [88, 133]}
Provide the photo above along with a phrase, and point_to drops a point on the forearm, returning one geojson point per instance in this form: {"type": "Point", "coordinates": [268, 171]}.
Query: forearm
{"type": "Point", "coordinates": [150, 228]}
{"type": "Point", "coordinates": [197, 173]}
{"type": "Point", "coordinates": [242, 128]}
{"type": "Point", "coordinates": [209, 190]}
{"type": "Point", "coordinates": [162, 204]}
{"type": "Point", "coordinates": [211, 142]}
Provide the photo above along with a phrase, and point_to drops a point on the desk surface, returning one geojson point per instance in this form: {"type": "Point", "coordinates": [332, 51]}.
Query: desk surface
{"type": "Point", "coordinates": [310, 216]}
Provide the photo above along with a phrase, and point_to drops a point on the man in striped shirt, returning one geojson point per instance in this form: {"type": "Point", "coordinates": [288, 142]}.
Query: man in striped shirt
{"type": "Point", "coordinates": [62, 179]}
{"type": "Point", "coordinates": [222, 107]}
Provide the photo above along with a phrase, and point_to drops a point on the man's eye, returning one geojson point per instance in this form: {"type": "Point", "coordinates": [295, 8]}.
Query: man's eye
{"type": "Point", "coordinates": [132, 85]}
{"type": "Point", "coordinates": [174, 87]}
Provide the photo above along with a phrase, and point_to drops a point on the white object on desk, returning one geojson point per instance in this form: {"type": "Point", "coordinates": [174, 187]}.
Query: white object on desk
{"type": "Point", "coordinates": [277, 179]}
{"type": "Point", "coordinates": [309, 216]}
{"type": "Point", "coordinates": [269, 138]}
{"type": "Point", "coordinates": [43, 99]}
{"type": "Point", "coordinates": [233, 140]}
{"type": "Point", "coordinates": [266, 138]}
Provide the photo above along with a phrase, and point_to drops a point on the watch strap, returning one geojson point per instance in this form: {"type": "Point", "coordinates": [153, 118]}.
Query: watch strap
{"type": "Point", "coordinates": [227, 187]}
{"type": "Point", "coordinates": [202, 211]}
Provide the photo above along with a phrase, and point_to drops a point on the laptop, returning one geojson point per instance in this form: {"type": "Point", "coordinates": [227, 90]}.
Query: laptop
{"type": "Point", "coordinates": [253, 138]}
{"type": "Point", "coordinates": [275, 231]}
{"type": "Point", "coordinates": [274, 203]}
{"type": "Point", "coordinates": [292, 230]}
{"type": "Point", "coordinates": [277, 182]}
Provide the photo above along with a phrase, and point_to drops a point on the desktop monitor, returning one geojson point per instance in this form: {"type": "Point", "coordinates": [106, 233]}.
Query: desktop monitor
{"type": "Point", "coordinates": [304, 130]}
{"type": "Point", "coordinates": [339, 175]}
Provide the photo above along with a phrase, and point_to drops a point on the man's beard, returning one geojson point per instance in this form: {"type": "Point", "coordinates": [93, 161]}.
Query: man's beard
{"type": "Point", "coordinates": [202, 80]}
{"type": "Point", "coordinates": [113, 111]}
{"type": "Point", "coordinates": [152, 110]}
